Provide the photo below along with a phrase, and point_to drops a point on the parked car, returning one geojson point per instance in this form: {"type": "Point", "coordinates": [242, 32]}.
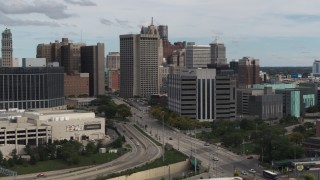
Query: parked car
{"type": "Point", "coordinates": [252, 171]}
{"type": "Point", "coordinates": [206, 144]}
{"type": "Point", "coordinates": [215, 159]}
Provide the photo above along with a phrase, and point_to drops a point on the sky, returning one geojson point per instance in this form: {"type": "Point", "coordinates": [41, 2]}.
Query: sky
{"type": "Point", "coordinates": [278, 32]}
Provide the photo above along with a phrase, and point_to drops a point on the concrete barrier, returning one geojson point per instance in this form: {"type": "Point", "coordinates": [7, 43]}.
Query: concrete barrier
{"type": "Point", "coordinates": [164, 171]}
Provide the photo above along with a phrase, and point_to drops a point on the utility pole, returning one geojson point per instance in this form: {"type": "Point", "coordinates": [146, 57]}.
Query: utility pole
{"type": "Point", "coordinates": [163, 135]}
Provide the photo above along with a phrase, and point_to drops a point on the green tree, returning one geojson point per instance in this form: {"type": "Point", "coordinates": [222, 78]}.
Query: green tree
{"type": "Point", "coordinates": [300, 129]}
{"type": "Point", "coordinates": [1, 158]}
{"type": "Point", "coordinates": [296, 137]}
{"type": "Point", "coordinates": [91, 148]}
{"type": "Point", "coordinates": [307, 176]}
{"type": "Point", "coordinates": [246, 124]}
{"type": "Point", "coordinates": [124, 111]}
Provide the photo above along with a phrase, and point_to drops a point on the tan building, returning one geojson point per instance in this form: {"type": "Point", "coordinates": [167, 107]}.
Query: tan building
{"type": "Point", "coordinates": [76, 84]}
{"type": "Point", "coordinates": [92, 62]}
{"type": "Point", "coordinates": [163, 74]}
{"type": "Point", "coordinates": [113, 60]}
{"type": "Point", "coordinates": [6, 48]}
{"type": "Point", "coordinates": [44, 51]}
{"type": "Point", "coordinates": [71, 57]}
{"type": "Point", "coordinates": [140, 58]}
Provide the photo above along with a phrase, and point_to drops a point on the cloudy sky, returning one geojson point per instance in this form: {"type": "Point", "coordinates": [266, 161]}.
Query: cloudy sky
{"type": "Point", "coordinates": [278, 32]}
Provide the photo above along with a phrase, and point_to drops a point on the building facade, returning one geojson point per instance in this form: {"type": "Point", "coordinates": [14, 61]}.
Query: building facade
{"type": "Point", "coordinates": [113, 60]}
{"type": "Point", "coordinates": [140, 58]}
{"type": "Point", "coordinates": [34, 62]}
{"type": "Point", "coordinates": [197, 56]}
{"type": "Point", "coordinates": [114, 80]}
{"type": "Point", "coordinates": [218, 53]}
{"type": "Point", "coordinates": [248, 73]}
{"type": "Point", "coordinates": [76, 85]}
{"type": "Point", "coordinates": [44, 51]}
{"type": "Point", "coordinates": [33, 87]}
{"type": "Point", "coordinates": [191, 93]}
{"type": "Point", "coordinates": [6, 49]}
{"type": "Point", "coordinates": [71, 58]}
{"type": "Point", "coordinates": [316, 68]}
{"type": "Point", "coordinates": [226, 97]}
{"type": "Point", "coordinates": [163, 75]}
{"type": "Point", "coordinates": [92, 61]}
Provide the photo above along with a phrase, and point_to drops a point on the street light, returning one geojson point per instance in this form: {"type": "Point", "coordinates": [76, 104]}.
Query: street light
{"type": "Point", "coordinates": [163, 135]}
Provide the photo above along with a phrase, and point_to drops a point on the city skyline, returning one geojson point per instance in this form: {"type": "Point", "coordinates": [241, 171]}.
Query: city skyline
{"type": "Point", "coordinates": [272, 31]}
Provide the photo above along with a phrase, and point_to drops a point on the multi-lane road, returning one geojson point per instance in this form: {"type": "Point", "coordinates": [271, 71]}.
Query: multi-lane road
{"type": "Point", "coordinates": [219, 161]}
{"type": "Point", "coordinates": [143, 150]}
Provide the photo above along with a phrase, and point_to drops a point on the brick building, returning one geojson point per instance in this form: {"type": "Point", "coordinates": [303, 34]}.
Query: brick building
{"type": "Point", "coordinates": [114, 80]}
{"type": "Point", "coordinates": [77, 84]}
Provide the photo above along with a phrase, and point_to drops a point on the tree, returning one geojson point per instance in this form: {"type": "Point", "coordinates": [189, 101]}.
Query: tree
{"type": "Point", "coordinates": [1, 157]}
{"type": "Point", "coordinates": [296, 137]}
{"type": "Point", "coordinates": [307, 176]}
{"type": "Point", "coordinates": [246, 124]}
{"type": "Point", "coordinates": [91, 148]}
{"type": "Point", "coordinates": [300, 129]}
{"type": "Point", "coordinates": [124, 111]}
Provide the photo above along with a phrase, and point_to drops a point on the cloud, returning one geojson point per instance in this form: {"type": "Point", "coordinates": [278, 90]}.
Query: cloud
{"type": "Point", "coordinates": [49, 8]}
{"type": "Point", "coordinates": [106, 21]}
{"type": "Point", "coordinates": [6, 21]}
{"type": "Point", "coordinates": [303, 17]}
{"type": "Point", "coordinates": [81, 2]}
{"type": "Point", "coordinates": [118, 22]}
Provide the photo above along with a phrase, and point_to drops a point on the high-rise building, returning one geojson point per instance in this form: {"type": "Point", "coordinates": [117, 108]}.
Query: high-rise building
{"type": "Point", "coordinates": [76, 85]}
{"type": "Point", "coordinates": [140, 57]}
{"type": "Point", "coordinates": [192, 93]}
{"type": "Point", "coordinates": [248, 72]}
{"type": "Point", "coordinates": [71, 58]}
{"type": "Point", "coordinates": [179, 58]}
{"type": "Point", "coordinates": [218, 53]}
{"type": "Point", "coordinates": [197, 56]}
{"type": "Point", "coordinates": [163, 75]}
{"type": "Point", "coordinates": [92, 62]}
{"type": "Point", "coordinates": [44, 51]}
{"type": "Point", "coordinates": [234, 65]}
{"type": "Point", "coordinates": [56, 49]}
{"type": "Point", "coordinates": [114, 80]}
{"type": "Point", "coordinates": [113, 60]}
{"type": "Point", "coordinates": [6, 48]}
{"type": "Point", "coordinates": [316, 68]}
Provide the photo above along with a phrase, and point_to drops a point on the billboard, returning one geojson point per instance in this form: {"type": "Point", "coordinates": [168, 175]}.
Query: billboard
{"type": "Point", "coordinates": [71, 128]}
{"type": "Point", "coordinates": [92, 126]}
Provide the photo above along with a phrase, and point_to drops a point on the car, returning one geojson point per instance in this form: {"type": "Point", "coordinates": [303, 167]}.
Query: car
{"type": "Point", "coordinates": [250, 157]}
{"type": "Point", "coordinates": [131, 137]}
{"type": "Point", "coordinates": [215, 159]}
{"type": "Point", "coordinates": [206, 144]}
{"type": "Point", "coordinates": [41, 175]}
{"type": "Point", "coordinates": [252, 171]}
{"type": "Point", "coordinates": [170, 138]}
{"type": "Point", "coordinates": [137, 144]}
{"type": "Point", "coordinates": [244, 173]}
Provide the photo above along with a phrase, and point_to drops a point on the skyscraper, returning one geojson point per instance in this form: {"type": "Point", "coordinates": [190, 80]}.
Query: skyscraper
{"type": "Point", "coordinates": [248, 72]}
{"type": "Point", "coordinates": [218, 53]}
{"type": "Point", "coordinates": [44, 51]}
{"type": "Point", "coordinates": [71, 58]}
{"type": "Point", "coordinates": [92, 62]}
{"type": "Point", "coordinates": [140, 57]}
{"type": "Point", "coordinates": [6, 48]}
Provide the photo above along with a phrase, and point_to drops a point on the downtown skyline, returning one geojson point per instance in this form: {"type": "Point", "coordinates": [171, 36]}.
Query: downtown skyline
{"type": "Point", "coordinates": [272, 31]}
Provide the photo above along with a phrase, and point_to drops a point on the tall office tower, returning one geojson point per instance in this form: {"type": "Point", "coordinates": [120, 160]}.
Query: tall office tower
{"type": "Point", "coordinates": [197, 56]}
{"type": "Point", "coordinates": [163, 32]}
{"type": "Point", "coordinates": [44, 51]}
{"type": "Point", "coordinates": [225, 97]}
{"type": "Point", "coordinates": [92, 62]}
{"type": "Point", "coordinates": [140, 58]}
{"type": "Point", "coordinates": [6, 48]}
{"type": "Point", "coordinates": [192, 93]}
{"type": "Point", "coordinates": [56, 49]}
{"type": "Point", "coordinates": [163, 75]}
{"type": "Point", "coordinates": [71, 58]}
{"type": "Point", "coordinates": [234, 65]}
{"type": "Point", "coordinates": [218, 53]}
{"type": "Point", "coordinates": [316, 68]}
{"type": "Point", "coordinates": [248, 74]}
{"type": "Point", "coordinates": [113, 60]}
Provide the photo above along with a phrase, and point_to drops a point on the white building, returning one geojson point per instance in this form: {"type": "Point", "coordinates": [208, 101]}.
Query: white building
{"type": "Point", "coordinates": [34, 62]}
{"type": "Point", "coordinates": [18, 129]}
{"type": "Point", "coordinates": [197, 56]}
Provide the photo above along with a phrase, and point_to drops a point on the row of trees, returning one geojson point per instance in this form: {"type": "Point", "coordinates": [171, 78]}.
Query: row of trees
{"type": "Point", "coordinates": [110, 109]}
{"type": "Point", "coordinates": [271, 142]}
{"type": "Point", "coordinates": [175, 120]}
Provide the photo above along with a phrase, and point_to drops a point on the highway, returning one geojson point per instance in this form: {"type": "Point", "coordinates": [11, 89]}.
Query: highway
{"type": "Point", "coordinates": [143, 150]}
{"type": "Point", "coordinates": [227, 162]}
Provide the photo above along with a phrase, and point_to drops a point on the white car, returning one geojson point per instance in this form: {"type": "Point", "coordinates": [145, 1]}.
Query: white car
{"type": "Point", "coordinates": [252, 171]}
{"type": "Point", "coordinates": [215, 159]}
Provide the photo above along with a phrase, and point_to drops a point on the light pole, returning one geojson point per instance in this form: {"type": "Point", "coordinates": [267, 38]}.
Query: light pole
{"type": "Point", "coordinates": [163, 135]}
